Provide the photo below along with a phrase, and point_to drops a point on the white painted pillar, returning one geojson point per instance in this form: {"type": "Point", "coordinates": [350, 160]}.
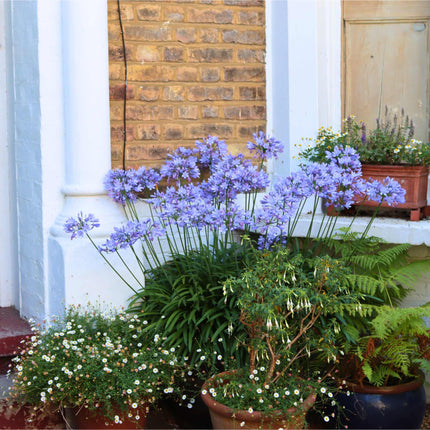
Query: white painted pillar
{"type": "Point", "coordinates": [303, 72]}
{"type": "Point", "coordinates": [77, 273]}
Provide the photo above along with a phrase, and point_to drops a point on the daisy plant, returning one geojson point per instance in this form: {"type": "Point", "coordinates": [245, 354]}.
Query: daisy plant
{"type": "Point", "coordinates": [99, 360]}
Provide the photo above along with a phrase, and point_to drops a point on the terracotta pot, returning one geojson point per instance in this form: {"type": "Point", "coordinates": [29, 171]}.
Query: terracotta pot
{"type": "Point", "coordinates": [83, 418]}
{"type": "Point", "coordinates": [224, 417]}
{"type": "Point", "coordinates": [396, 407]}
{"type": "Point", "coordinates": [413, 179]}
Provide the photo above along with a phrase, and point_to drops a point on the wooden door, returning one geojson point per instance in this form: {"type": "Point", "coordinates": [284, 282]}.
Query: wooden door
{"type": "Point", "coordinates": [386, 60]}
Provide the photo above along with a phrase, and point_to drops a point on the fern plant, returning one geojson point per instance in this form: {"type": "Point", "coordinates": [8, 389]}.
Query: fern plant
{"type": "Point", "coordinates": [397, 346]}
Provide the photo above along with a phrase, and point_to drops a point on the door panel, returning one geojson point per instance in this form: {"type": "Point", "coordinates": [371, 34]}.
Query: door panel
{"type": "Point", "coordinates": [386, 60]}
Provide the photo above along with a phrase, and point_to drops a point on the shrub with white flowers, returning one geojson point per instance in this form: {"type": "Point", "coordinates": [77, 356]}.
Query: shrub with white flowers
{"type": "Point", "coordinates": [94, 359]}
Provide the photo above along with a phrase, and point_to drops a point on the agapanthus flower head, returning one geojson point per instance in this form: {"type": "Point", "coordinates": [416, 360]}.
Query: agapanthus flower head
{"type": "Point", "coordinates": [181, 165]}
{"type": "Point", "coordinates": [265, 147]}
{"type": "Point", "coordinates": [210, 151]}
{"type": "Point", "coordinates": [148, 178]}
{"type": "Point", "coordinates": [127, 235]}
{"type": "Point", "coordinates": [123, 185]}
{"type": "Point", "coordinates": [388, 191]}
{"type": "Point", "coordinates": [233, 175]}
{"type": "Point", "coordinates": [345, 158]}
{"type": "Point", "coordinates": [80, 225]}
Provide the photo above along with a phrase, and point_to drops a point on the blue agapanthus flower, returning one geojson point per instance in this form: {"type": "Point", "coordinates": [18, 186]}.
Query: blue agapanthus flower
{"type": "Point", "coordinates": [181, 165]}
{"type": "Point", "coordinates": [80, 225]}
{"type": "Point", "coordinates": [265, 147]}
{"type": "Point", "coordinates": [388, 191]}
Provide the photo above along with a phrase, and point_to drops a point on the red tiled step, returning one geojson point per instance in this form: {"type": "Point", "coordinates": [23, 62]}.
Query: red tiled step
{"type": "Point", "coordinates": [13, 329]}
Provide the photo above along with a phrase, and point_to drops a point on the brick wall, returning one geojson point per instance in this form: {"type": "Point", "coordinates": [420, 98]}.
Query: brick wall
{"type": "Point", "coordinates": [195, 67]}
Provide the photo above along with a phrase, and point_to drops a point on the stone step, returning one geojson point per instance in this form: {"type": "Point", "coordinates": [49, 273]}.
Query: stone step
{"type": "Point", "coordinates": [13, 329]}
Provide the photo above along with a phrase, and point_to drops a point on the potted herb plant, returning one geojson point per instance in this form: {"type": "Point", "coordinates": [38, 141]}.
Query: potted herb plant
{"type": "Point", "coordinates": [383, 374]}
{"type": "Point", "coordinates": [389, 150]}
{"type": "Point", "coordinates": [283, 299]}
{"type": "Point", "coordinates": [97, 368]}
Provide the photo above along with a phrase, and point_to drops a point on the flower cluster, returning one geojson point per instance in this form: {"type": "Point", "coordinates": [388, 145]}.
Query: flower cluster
{"type": "Point", "coordinates": [211, 204]}
{"type": "Point", "coordinates": [97, 360]}
{"type": "Point", "coordinates": [189, 245]}
{"type": "Point", "coordinates": [390, 142]}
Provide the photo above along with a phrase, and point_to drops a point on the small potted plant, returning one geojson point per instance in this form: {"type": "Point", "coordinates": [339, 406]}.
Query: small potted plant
{"type": "Point", "coordinates": [97, 368]}
{"type": "Point", "coordinates": [383, 374]}
{"type": "Point", "coordinates": [390, 149]}
{"type": "Point", "coordinates": [285, 301]}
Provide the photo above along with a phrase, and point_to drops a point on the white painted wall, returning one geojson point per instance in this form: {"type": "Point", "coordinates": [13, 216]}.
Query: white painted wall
{"type": "Point", "coordinates": [27, 150]}
{"type": "Point", "coordinates": [303, 72]}
{"type": "Point", "coordinates": [8, 251]}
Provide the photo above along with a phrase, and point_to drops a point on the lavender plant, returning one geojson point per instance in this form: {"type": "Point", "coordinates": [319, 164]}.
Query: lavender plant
{"type": "Point", "coordinates": [391, 142]}
{"type": "Point", "coordinates": [189, 245]}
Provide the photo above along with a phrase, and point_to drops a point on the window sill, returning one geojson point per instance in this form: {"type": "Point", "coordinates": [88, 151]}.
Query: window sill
{"type": "Point", "coordinates": [389, 229]}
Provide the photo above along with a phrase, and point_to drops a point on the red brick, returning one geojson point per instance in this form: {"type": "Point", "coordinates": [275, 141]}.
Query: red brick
{"type": "Point", "coordinates": [173, 13]}
{"type": "Point", "coordinates": [147, 152]}
{"type": "Point", "coordinates": [147, 132]}
{"type": "Point", "coordinates": [208, 74]}
{"type": "Point", "coordinates": [251, 17]}
{"type": "Point", "coordinates": [173, 54]}
{"type": "Point", "coordinates": [244, 2]}
{"type": "Point", "coordinates": [211, 55]}
{"type": "Point", "coordinates": [251, 55]}
{"type": "Point", "coordinates": [188, 112]}
{"type": "Point", "coordinates": [148, 12]}
{"type": "Point", "coordinates": [186, 35]}
{"type": "Point", "coordinates": [186, 74]}
{"type": "Point", "coordinates": [116, 154]}
{"type": "Point", "coordinates": [117, 133]}
{"type": "Point", "coordinates": [146, 53]}
{"type": "Point", "coordinates": [142, 113]}
{"type": "Point", "coordinates": [201, 130]}
{"type": "Point", "coordinates": [144, 73]}
{"type": "Point", "coordinates": [173, 132]}
{"type": "Point", "coordinates": [116, 111]}
{"type": "Point", "coordinates": [127, 13]}
{"type": "Point", "coordinates": [212, 93]}
{"type": "Point", "coordinates": [210, 112]}
{"type": "Point", "coordinates": [247, 131]}
{"type": "Point", "coordinates": [165, 112]}
{"type": "Point", "coordinates": [238, 74]}
{"type": "Point", "coordinates": [138, 32]}
{"type": "Point", "coordinates": [116, 53]}
{"type": "Point", "coordinates": [212, 16]}
{"type": "Point", "coordinates": [245, 112]}
{"type": "Point", "coordinates": [174, 93]}
{"type": "Point", "coordinates": [252, 93]}
{"type": "Point", "coordinates": [116, 71]}
{"type": "Point", "coordinates": [250, 37]}
{"type": "Point", "coordinates": [116, 92]}
{"type": "Point", "coordinates": [148, 94]}
{"type": "Point", "coordinates": [209, 35]}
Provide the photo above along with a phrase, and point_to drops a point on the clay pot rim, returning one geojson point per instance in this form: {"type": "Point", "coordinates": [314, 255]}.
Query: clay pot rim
{"type": "Point", "coordinates": [242, 415]}
{"type": "Point", "coordinates": [392, 389]}
{"type": "Point", "coordinates": [405, 167]}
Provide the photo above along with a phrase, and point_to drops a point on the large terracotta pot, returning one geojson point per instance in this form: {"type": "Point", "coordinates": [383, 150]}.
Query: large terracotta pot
{"type": "Point", "coordinates": [396, 407]}
{"type": "Point", "coordinates": [82, 418]}
{"type": "Point", "coordinates": [413, 179]}
{"type": "Point", "coordinates": [224, 417]}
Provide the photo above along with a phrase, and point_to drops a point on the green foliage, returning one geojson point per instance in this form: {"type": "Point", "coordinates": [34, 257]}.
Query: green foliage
{"type": "Point", "coordinates": [183, 299]}
{"type": "Point", "coordinates": [288, 305]}
{"type": "Point", "coordinates": [382, 272]}
{"type": "Point", "coordinates": [94, 359]}
{"type": "Point", "coordinates": [397, 346]}
{"type": "Point", "coordinates": [390, 142]}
